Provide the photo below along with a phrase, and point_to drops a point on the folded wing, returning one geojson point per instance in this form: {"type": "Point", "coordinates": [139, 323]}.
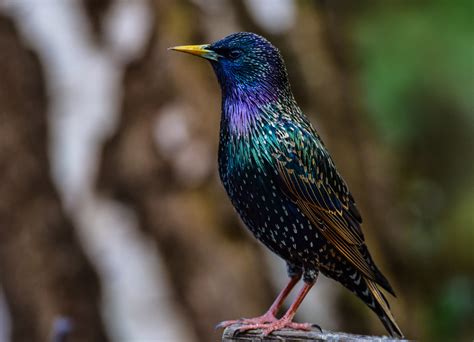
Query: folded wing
{"type": "Point", "coordinates": [309, 177]}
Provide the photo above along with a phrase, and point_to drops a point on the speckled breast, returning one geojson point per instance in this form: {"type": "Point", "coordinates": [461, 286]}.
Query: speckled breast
{"type": "Point", "coordinates": [271, 216]}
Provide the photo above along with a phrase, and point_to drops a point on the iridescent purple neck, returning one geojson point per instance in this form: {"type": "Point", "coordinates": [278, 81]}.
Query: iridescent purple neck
{"type": "Point", "coordinates": [242, 108]}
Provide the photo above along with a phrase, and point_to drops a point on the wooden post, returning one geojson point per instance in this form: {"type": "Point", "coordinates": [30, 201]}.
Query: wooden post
{"type": "Point", "coordinates": [286, 335]}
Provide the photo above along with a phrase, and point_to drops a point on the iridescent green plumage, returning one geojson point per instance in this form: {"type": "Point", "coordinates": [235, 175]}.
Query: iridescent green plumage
{"type": "Point", "coordinates": [283, 182]}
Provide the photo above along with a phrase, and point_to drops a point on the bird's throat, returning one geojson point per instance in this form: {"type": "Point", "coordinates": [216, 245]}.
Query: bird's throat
{"type": "Point", "coordinates": [239, 118]}
{"type": "Point", "coordinates": [244, 111]}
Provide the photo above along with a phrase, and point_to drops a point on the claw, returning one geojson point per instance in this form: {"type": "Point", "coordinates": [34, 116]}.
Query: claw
{"type": "Point", "coordinates": [219, 325]}
{"type": "Point", "coordinates": [236, 332]}
{"type": "Point", "coordinates": [270, 327]}
{"type": "Point", "coordinates": [266, 318]}
{"type": "Point", "coordinates": [286, 324]}
{"type": "Point", "coordinates": [225, 324]}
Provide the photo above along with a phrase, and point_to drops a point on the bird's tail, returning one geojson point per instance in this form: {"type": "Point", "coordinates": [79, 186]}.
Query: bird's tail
{"type": "Point", "coordinates": [379, 304]}
{"type": "Point", "coordinates": [368, 290]}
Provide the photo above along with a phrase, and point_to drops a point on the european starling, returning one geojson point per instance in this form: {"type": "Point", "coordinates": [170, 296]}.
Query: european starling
{"type": "Point", "coordinates": [284, 184]}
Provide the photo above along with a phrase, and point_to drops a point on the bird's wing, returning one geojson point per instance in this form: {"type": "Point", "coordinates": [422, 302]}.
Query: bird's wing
{"type": "Point", "coordinates": [309, 177]}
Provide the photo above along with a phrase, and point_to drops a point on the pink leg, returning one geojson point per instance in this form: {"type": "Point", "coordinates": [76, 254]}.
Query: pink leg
{"type": "Point", "coordinates": [287, 320]}
{"type": "Point", "coordinates": [269, 316]}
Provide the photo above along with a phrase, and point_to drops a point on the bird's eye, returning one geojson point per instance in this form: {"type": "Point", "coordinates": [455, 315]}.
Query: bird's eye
{"type": "Point", "coordinates": [233, 54]}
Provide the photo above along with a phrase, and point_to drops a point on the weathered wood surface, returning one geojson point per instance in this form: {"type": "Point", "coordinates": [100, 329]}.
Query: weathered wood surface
{"type": "Point", "coordinates": [286, 335]}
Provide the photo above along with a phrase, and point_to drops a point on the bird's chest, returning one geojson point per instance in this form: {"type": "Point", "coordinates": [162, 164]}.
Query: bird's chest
{"type": "Point", "coordinates": [253, 193]}
{"type": "Point", "coordinates": [244, 170]}
{"type": "Point", "coordinates": [251, 180]}
{"type": "Point", "coordinates": [248, 176]}
{"type": "Point", "coordinates": [253, 187]}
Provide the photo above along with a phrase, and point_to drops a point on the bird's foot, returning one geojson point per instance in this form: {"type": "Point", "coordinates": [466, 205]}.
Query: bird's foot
{"type": "Point", "coordinates": [282, 323]}
{"type": "Point", "coordinates": [263, 319]}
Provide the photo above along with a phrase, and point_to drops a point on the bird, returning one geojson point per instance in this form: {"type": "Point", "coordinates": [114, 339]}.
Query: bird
{"type": "Point", "coordinates": [284, 184]}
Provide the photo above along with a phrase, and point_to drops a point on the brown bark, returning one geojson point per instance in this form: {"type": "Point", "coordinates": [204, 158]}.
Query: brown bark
{"type": "Point", "coordinates": [45, 274]}
{"type": "Point", "coordinates": [314, 335]}
{"type": "Point", "coordinates": [95, 11]}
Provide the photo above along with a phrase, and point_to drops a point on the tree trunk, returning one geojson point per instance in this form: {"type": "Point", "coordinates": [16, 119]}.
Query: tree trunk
{"type": "Point", "coordinates": [45, 274]}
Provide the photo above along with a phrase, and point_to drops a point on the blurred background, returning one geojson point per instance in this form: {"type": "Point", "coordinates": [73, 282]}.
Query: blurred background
{"type": "Point", "coordinates": [113, 223]}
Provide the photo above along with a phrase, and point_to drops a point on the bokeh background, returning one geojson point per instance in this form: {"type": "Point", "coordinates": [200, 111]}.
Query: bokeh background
{"type": "Point", "coordinates": [113, 223]}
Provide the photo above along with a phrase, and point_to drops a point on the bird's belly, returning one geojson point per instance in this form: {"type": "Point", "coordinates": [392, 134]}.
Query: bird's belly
{"type": "Point", "coordinates": [272, 217]}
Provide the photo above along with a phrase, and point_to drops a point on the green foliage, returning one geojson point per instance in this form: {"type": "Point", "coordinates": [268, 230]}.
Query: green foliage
{"type": "Point", "coordinates": [451, 310]}
{"type": "Point", "coordinates": [411, 52]}
{"type": "Point", "coordinates": [417, 73]}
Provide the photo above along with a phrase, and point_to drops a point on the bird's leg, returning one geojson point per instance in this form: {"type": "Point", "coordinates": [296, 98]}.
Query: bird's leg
{"type": "Point", "coordinates": [268, 316]}
{"type": "Point", "coordinates": [287, 320]}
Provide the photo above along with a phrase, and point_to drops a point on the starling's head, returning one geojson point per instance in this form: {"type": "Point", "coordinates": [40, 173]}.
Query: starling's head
{"type": "Point", "coordinates": [244, 62]}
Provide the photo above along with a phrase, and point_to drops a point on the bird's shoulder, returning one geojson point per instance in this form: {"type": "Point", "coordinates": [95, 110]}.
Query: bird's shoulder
{"type": "Point", "coordinates": [302, 152]}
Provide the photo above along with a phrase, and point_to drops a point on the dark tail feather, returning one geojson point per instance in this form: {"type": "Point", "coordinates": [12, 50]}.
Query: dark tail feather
{"type": "Point", "coordinates": [391, 326]}
{"type": "Point", "coordinates": [382, 309]}
{"type": "Point", "coordinates": [367, 290]}
{"type": "Point", "coordinates": [379, 277]}
{"type": "Point", "coordinates": [382, 281]}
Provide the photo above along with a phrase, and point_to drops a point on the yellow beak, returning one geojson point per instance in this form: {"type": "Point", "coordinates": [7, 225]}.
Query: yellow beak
{"type": "Point", "coordinates": [197, 50]}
